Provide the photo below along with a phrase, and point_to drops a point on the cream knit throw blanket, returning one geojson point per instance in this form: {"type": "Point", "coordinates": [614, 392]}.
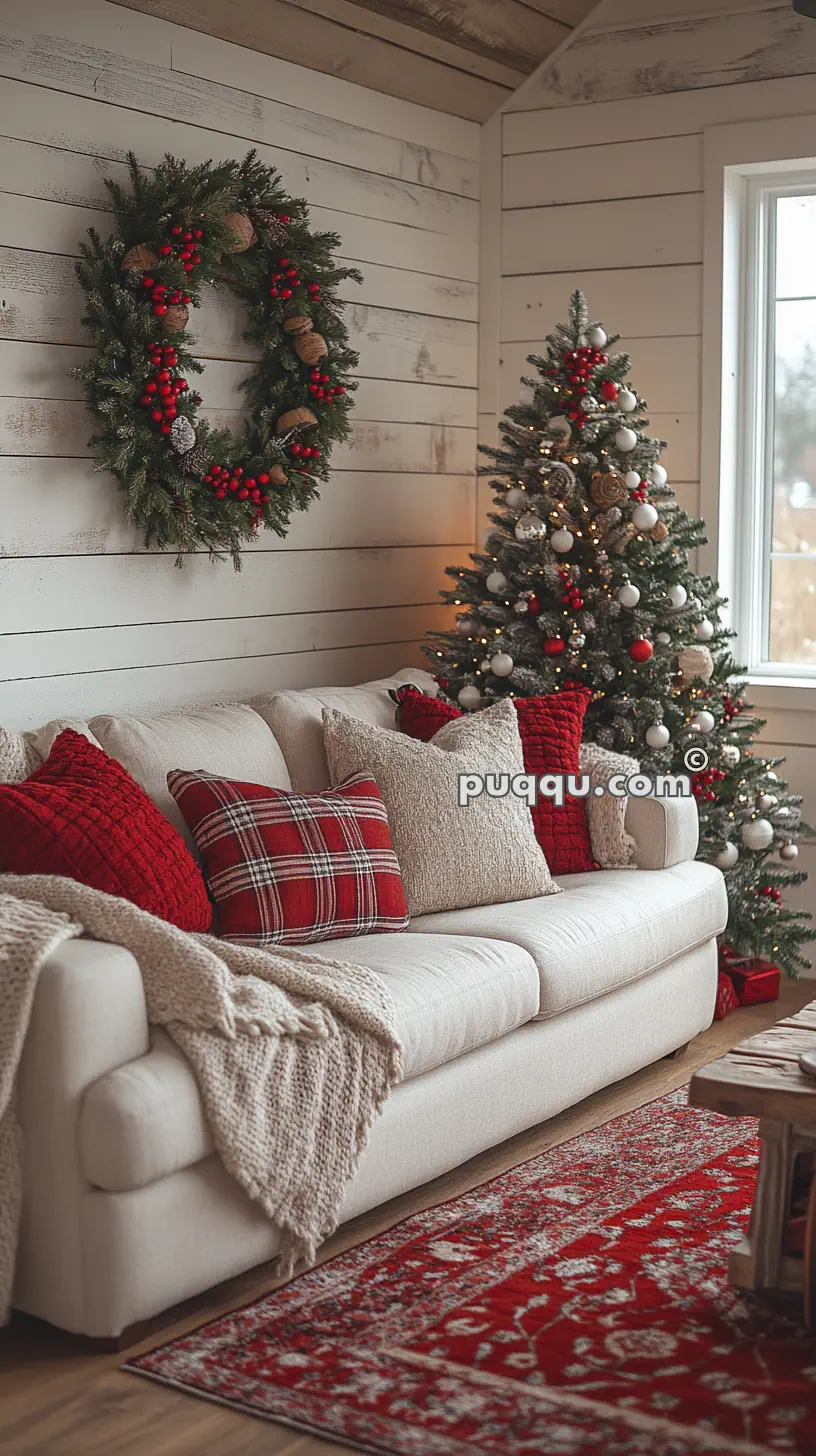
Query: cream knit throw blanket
{"type": "Point", "coordinates": [294, 1054]}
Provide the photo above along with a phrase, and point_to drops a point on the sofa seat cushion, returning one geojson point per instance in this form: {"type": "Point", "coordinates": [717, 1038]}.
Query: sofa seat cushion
{"type": "Point", "coordinates": [606, 929]}
{"type": "Point", "coordinates": [450, 994]}
{"type": "Point", "coordinates": [145, 1120]}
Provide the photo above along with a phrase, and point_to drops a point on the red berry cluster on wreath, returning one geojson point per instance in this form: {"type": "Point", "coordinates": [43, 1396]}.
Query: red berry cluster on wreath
{"type": "Point", "coordinates": [731, 708]}
{"type": "Point", "coordinates": [161, 390]}
{"type": "Point", "coordinates": [232, 480]}
{"type": "Point", "coordinates": [572, 595]}
{"type": "Point", "coordinates": [304, 455]}
{"type": "Point", "coordinates": [701, 783]}
{"type": "Point", "coordinates": [184, 242]}
{"type": "Point", "coordinates": [321, 387]}
{"type": "Point", "coordinates": [283, 284]}
{"type": "Point", "coordinates": [162, 297]}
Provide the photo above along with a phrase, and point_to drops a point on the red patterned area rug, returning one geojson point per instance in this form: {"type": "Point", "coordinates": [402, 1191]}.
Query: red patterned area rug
{"type": "Point", "coordinates": [576, 1306]}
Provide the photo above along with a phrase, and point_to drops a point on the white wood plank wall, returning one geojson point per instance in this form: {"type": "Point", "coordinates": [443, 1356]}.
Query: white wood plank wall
{"type": "Point", "coordinates": [90, 621]}
{"type": "Point", "coordinates": [602, 179]}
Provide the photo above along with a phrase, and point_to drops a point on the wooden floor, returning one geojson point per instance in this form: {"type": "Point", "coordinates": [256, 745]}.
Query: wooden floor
{"type": "Point", "coordinates": [56, 1400]}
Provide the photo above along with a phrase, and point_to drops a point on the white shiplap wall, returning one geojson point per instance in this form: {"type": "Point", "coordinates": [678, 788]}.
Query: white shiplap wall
{"type": "Point", "coordinates": [88, 620]}
{"type": "Point", "coordinates": [602, 184]}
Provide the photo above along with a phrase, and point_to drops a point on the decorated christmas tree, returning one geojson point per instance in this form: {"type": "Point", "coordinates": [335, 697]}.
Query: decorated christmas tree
{"type": "Point", "coordinates": [585, 578]}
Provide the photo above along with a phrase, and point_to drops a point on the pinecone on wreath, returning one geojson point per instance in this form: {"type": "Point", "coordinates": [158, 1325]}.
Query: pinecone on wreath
{"type": "Point", "coordinates": [196, 461]}
{"type": "Point", "coordinates": [274, 222]}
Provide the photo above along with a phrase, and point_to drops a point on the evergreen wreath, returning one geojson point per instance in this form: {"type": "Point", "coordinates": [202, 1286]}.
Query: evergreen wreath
{"type": "Point", "coordinates": [190, 486]}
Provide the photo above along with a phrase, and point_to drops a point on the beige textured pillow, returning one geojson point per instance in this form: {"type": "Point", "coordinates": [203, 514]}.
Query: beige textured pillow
{"type": "Point", "coordinates": [484, 853]}
{"type": "Point", "coordinates": [17, 759]}
{"type": "Point", "coordinates": [612, 847]}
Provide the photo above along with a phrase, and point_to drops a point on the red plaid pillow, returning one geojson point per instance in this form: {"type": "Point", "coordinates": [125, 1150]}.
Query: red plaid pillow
{"type": "Point", "coordinates": [288, 869]}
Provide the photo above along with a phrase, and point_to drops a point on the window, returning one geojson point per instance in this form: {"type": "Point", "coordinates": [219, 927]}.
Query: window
{"type": "Point", "coordinates": [776, 528]}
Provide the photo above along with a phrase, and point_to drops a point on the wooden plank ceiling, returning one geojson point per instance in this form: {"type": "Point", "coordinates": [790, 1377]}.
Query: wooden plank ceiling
{"type": "Point", "coordinates": [465, 57]}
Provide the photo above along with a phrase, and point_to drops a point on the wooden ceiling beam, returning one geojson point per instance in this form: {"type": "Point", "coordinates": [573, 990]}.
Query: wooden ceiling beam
{"type": "Point", "coordinates": [509, 31]}
{"type": "Point", "coordinates": [293, 30]}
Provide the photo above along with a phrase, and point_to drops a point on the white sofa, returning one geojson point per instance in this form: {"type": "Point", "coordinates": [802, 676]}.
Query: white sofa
{"type": "Point", "coordinates": [508, 1014]}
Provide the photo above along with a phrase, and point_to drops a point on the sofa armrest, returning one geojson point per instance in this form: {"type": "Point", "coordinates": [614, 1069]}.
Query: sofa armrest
{"type": "Point", "coordinates": [666, 831]}
{"type": "Point", "coordinates": [89, 1016]}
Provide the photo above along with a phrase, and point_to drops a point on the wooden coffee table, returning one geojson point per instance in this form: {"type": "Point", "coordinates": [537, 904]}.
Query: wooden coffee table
{"type": "Point", "coordinates": [761, 1078]}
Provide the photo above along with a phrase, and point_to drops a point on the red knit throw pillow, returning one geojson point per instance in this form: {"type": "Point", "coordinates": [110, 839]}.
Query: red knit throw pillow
{"type": "Point", "coordinates": [288, 868]}
{"type": "Point", "coordinates": [81, 815]}
{"type": "Point", "coordinates": [550, 729]}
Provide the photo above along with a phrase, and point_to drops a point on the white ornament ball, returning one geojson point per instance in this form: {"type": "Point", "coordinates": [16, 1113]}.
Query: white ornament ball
{"type": "Point", "coordinates": [727, 857]}
{"type": "Point", "coordinates": [562, 540]}
{"type": "Point", "coordinates": [496, 582]}
{"type": "Point", "coordinates": [704, 631]}
{"type": "Point", "coordinates": [516, 498]}
{"type": "Point", "coordinates": [658, 475]}
{"type": "Point", "coordinates": [704, 721]}
{"type": "Point", "coordinates": [677, 594]}
{"type": "Point", "coordinates": [696, 661]}
{"type": "Point", "coordinates": [664, 638]}
{"type": "Point", "coordinates": [789, 851]}
{"type": "Point", "coordinates": [628, 594]}
{"type": "Point", "coordinates": [627, 401]}
{"type": "Point", "coordinates": [632, 480]}
{"type": "Point", "coordinates": [596, 337]}
{"type": "Point", "coordinates": [467, 627]}
{"type": "Point", "coordinates": [530, 527]}
{"type": "Point", "coordinates": [469, 696]}
{"type": "Point", "coordinates": [560, 426]}
{"type": "Point", "coordinates": [625, 439]}
{"type": "Point", "coordinates": [657, 736]}
{"type": "Point", "coordinates": [644, 516]}
{"type": "Point", "coordinates": [502, 664]}
{"type": "Point", "coordinates": [730, 754]}
{"type": "Point", "coordinates": [757, 833]}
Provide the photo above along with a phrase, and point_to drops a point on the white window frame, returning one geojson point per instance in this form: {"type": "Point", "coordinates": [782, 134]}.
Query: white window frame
{"type": "Point", "coordinates": [745, 166]}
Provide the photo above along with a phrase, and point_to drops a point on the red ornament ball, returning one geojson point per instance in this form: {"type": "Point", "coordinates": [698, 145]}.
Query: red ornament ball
{"type": "Point", "coordinates": [608, 389]}
{"type": "Point", "coordinates": [641, 649]}
{"type": "Point", "coordinates": [554, 646]}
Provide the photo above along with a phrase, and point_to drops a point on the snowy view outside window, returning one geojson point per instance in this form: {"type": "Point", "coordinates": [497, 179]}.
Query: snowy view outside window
{"type": "Point", "coordinates": [792, 615]}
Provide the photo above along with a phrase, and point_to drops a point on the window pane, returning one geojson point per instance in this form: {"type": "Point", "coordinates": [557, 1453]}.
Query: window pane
{"type": "Point", "coordinates": [793, 610]}
{"type": "Point", "coordinates": [794, 483]}
{"type": "Point", "coordinates": [795, 247]}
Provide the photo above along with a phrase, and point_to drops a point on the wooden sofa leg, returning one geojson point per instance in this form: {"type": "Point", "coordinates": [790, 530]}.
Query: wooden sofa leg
{"type": "Point", "coordinates": [678, 1052]}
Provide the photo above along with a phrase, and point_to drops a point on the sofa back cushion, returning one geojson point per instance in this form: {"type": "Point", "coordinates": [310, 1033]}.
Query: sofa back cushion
{"type": "Point", "coordinates": [231, 739]}
{"type": "Point", "coordinates": [82, 816]}
{"type": "Point", "coordinates": [296, 719]}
